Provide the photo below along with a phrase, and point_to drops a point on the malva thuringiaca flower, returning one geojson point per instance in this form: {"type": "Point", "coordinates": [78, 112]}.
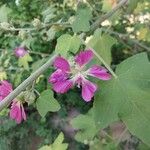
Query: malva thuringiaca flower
{"type": "Point", "coordinates": [69, 74]}
{"type": "Point", "coordinates": [17, 111]}
{"type": "Point", "coordinates": [23, 57]}
{"type": "Point", "coordinates": [20, 52]}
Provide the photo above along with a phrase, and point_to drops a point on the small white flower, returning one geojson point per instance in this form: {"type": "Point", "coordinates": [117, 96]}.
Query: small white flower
{"type": "Point", "coordinates": [131, 20]}
{"type": "Point", "coordinates": [141, 19]}
{"type": "Point", "coordinates": [116, 22]}
{"type": "Point", "coordinates": [137, 33]}
{"type": "Point", "coordinates": [147, 16]}
{"type": "Point", "coordinates": [17, 2]}
{"type": "Point", "coordinates": [124, 21]}
{"type": "Point", "coordinates": [132, 36]}
{"type": "Point", "coordinates": [129, 29]}
{"type": "Point", "coordinates": [146, 3]}
{"type": "Point", "coordinates": [106, 23]}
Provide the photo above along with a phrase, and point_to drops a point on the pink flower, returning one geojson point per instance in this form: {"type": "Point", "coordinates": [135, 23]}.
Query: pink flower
{"type": "Point", "coordinates": [17, 111]}
{"type": "Point", "coordinates": [20, 52]}
{"type": "Point", "coordinates": [76, 73]}
{"type": "Point", "coordinates": [5, 89]}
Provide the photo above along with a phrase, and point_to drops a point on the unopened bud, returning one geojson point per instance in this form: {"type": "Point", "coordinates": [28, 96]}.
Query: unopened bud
{"type": "Point", "coordinates": [29, 97]}
{"type": "Point", "coordinates": [3, 75]}
{"type": "Point", "coordinates": [20, 52]}
{"type": "Point", "coordinates": [22, 34]}
{"type": "Point", "coordinates": [36, 22]}
{"type": "Point", "coordinates": [5, 25]}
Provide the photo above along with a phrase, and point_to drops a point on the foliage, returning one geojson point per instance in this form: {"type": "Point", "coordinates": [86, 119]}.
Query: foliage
{"type": "Point", "coordinates": [46, 102]}
{"type": "Point", "coordinates": [73, 44]}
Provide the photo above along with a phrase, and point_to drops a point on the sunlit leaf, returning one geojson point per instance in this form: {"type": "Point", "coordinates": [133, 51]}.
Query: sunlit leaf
{"type": "Point", "coordinates": [24, 61]}
{"type": "Point", "coordinates": [102, 44]}
{"type": "Point", "coordinates": [66, 43]}
{"type": "Point", "coordinates": [82, 18]}
{"type": "Point", "coordinates": [57, 145]}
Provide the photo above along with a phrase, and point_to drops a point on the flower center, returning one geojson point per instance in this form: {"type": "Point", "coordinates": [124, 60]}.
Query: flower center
{"type": "Point", "coordinates": [78, 74]}
{"type": "Point", "coordinates": [77, 70]}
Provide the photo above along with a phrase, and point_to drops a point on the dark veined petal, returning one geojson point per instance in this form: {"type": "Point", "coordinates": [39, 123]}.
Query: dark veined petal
{"type": "Point", "coordinates": [84, 57]}
{"type": "Point", "coordinates": [88, 90]}
{"type": "Point", "coordinates": [62, 86]}
{"type": "Point", "coordinates": [61, 63]}
{"type": "Point", "coordinates": [99, 72]}
{"type": "Point", "coordinates": [58, 75]}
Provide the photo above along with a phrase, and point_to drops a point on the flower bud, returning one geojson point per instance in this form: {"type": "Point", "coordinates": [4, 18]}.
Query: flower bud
{"type": "Point", "coordinates": [22, 34]}
{"type": "Point", "coordinates": [86, 142]}
{"type": "Point", "coordinates": [3, 75]}
{"type": "Point", "coordinates": [29, 97]}
{"type": "Point", "coordinates": [5, 25]}
{"type": "Point", "coordinates": [36, 22]}
{"type": "Point", "coordinates": [20, 52]}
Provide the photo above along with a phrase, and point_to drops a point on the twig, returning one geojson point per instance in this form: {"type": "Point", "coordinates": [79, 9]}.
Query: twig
{"type": "Point", "coordinates": [38, 53]}
{"type": "Point", "coordinates": [109, 14]}
{"type": "Point", "coordinates": [121, 136]}
{"type": "Point", "coordinates": [34, 28]}
{"type": "Point", "coordinates": [126, 37]}
{"type": "Point", "coordinates": [91, 6]}
{"type": "Point", "coordinates": [25, 83]}
{"type": "Point", "coordinates": [141, 45]}
{"type": "Point", "coordinates": [106, 134]}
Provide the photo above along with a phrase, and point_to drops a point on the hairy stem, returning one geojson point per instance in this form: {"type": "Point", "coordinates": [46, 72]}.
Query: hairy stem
{"type": "Point", "coordinates": [101, 59]}
{"type": "Point", "coordinates": [126, 37]}
{"type": "Point", "coordinates": [26, 83]}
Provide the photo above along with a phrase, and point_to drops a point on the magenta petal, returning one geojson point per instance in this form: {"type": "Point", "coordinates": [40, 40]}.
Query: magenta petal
{"type": "Point", "coordinates": [14, 110]}
{"type": "Point", "coordinates": [88, 90]}
{"type": "Point", "coordinates": [62, 86]}
{"type": "Point", "coordinates": [61, 63]}
{"type": "Point", "coordinates": [19, 117]}
{"type": "Point", "coordinates": [20, 51]}
{"type": "Point", "coordinates": [7, 85]}
{"type": "Point", "coordinates": [84, 57]}
{"type": "Point", "coordinates": [23, 113]}
{"type": "Point", "coordinates": [99, 72]}
{"type": "Point", "coordinates": [5, 89]}
{"type": "Point", "coordinates": [58, 75]}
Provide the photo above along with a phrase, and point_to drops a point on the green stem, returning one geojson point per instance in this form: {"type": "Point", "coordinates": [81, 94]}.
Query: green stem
{"type": "Point", "coordinates": [108, 15]}
{"type": "Point", "coordinates": [100, 58]}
